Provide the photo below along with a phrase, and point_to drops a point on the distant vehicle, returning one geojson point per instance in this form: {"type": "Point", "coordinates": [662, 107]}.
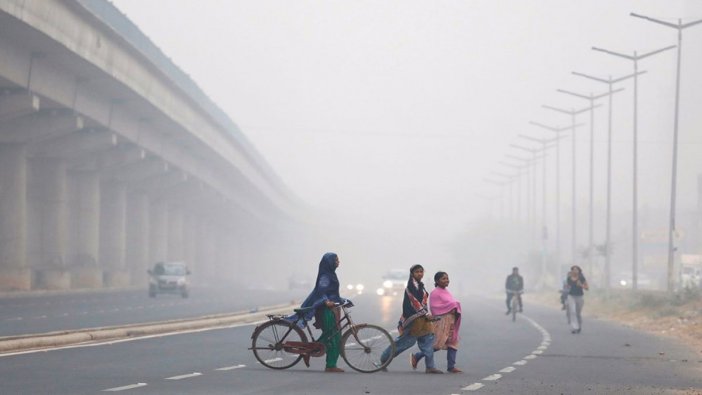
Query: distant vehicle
{"type": "Point", "coordinates": [169, 278]}
{"type": "Point", "coordinates": [394, 282]}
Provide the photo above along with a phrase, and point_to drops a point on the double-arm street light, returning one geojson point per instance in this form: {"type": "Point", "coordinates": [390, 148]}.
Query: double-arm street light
{"type": "Point", "coordinates": [492, 199]}
{"type": "Point", "coordinates": [635, 221]}
{"type": "Point", "coordinates": [532, 208]}
{"type": "Point", "coordinates": [544, 233]}
{"type": "Point", "coordinates": [572, 114]}
{"type": "Point", "coordinates": [610, 82]}
{"type": "Point", "coordinates": [558, 131]}
{"type": "Point", "coordinates": [528, 163]}
{"type": "Point", "coordinates": [591, 97]}
{"type": "Point", "coordinates": [673, 183]}
{"type": "Point", "coordinates": [518, 177]}
{"type": "Point", "coordinates": [510, 178]}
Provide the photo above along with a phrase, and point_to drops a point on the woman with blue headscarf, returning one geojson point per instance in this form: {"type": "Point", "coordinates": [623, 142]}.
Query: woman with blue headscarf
{"type": "Point", "coordinates": [323, 298]}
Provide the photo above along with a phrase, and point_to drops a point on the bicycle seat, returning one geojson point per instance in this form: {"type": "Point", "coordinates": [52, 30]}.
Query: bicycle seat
{"type": "Point", "coordinates": [303, 310]}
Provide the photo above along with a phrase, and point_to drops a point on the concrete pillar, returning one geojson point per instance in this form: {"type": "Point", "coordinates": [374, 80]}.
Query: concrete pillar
{"type": "Point", "coordinates": [14, 273]}
{"type": "Point", "coordinates": [189, 239]}
{"type": "Point", "coordinates": [137, 255]}
{"type": "Point", "coordinates": [48, 200]}
{"type": "Point", "coordinates": [158, 231]}
{"type": "Point", "coordinates": [206, 252]}
{"type": "Point", "coordinates": [175, 233]}
{"type": "Point", "coordinates": [113, 206]}
{"type": "Point", "coordinates": [85, 230]}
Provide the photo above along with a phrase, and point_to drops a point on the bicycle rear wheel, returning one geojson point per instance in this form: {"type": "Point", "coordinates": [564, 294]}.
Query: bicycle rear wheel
{"type": "Point", "coordinates": [515, 305]}
{"type": "Point", "coordinates": [362, 346]}
{"type": "Point", "coordinates": [267, 343]}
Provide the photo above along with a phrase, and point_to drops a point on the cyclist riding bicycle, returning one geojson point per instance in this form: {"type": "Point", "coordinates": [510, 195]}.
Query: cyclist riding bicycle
{"type": "Point", "coordinates": [514, 285]}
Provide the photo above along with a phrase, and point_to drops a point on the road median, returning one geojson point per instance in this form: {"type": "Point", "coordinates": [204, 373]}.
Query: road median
{"type": "Point", "coordinates": [11, 344]}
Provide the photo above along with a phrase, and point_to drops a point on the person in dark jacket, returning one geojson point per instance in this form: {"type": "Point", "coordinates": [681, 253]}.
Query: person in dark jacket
{"type": "Point", "coordinates": [577, 284]}
{"type": "Point", "coordinates": [514, 285]}
{"type": "Point", "coordinates": [412, 325]}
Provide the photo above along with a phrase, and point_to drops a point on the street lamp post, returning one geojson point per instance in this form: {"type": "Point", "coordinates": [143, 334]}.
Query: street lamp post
{"type": "Point", "coordinates": [592, 99]}
{"type": "Point", "coordinates": [673, 183]}
{"type": "Point", "coordinates": [635, 221]}
{"type": "Point", "coordinates": [501, 196]}
{"type": "Point", "coordinates": [610, 82]}
{"type": "Point", "coordinates": [558, 131]}
{"type": "Point", "coordinates": [572, 114]}
{"type": "Point", "coordinates": [510, 178]}
{"type": "Point", "coordinates": [532, 208]}
{"type": "Point", "coordinates": [518, 177]}
{"type": "Point", "coordinates": [544, 146]}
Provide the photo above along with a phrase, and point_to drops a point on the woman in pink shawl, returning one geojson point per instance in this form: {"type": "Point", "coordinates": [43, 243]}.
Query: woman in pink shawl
{"type": "Point", "coordinates": [444, 306]}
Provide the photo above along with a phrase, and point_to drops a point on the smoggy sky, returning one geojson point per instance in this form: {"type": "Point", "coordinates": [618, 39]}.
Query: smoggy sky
{"type": "Point", "coordinates": [394, 112]}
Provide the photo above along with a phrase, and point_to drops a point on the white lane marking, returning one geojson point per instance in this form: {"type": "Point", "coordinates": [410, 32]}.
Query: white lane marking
{"type": "Point", "coordinates": [14, 319]}
{"type": "Point", "coordinates": [184, 376]}
{"type": "Point", "coordinates": [508, 369]}
{"type": "Point", "coordinates": [110, 342]}
{"type": "Point", "coordinates": [537, 352]}
{"type": "Point", "coordinates": [273, 360]}
{"type": "Point", "coordinates": [126, 387]}
{"type": "Point", "coordinates": [473, 387]}
{"type": "Point", "coordinates": [532, 356]}
{"type": "Point", "coordinates": [520, 363]}
{"type": "Point", "coordinates": [492, 377]}
{"type": "Point", "coordinates": [541, 347]}
{"type": "Point", "coordinates": [232, 367]}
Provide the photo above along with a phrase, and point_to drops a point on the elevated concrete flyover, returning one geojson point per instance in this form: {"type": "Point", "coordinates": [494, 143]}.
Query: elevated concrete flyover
{"type": "Point", "coordinates": [111, 158]}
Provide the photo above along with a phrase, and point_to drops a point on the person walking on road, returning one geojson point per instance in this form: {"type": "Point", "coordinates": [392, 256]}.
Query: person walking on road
{"type": "Point", "coordinates": [323, 298]}
{"type": "Point", "coordinates": [577, 284]}
{"type": "Point", "coordinates": [415, 325]}
{"type": "Point", "coordinates": [447, 310]}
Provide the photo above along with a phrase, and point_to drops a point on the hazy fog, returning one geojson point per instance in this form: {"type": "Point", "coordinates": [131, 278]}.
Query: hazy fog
{"type": "Point", "coordinates": [386, 116]}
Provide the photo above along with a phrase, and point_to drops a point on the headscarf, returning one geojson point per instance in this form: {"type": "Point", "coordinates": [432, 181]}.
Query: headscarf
{"type": "Point", "coordinates": [327, 284]}
{"type": "Point", "coordinates": [414, 303]}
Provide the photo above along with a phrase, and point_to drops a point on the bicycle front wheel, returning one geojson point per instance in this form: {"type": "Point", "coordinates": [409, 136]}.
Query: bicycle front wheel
{"type": "Point", "coordinates": [268, 344]}
{"type": "Point", "coordinates": [363, 345]}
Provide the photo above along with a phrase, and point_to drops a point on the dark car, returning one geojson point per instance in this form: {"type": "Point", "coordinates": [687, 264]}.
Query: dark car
{"type": "Point", "coordinates": [169, 278]}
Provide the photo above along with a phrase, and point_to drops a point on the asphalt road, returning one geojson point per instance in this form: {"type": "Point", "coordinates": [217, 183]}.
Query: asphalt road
{"type": "Point", "coordinates": [535, 355]}
{"type": "Point", "coordinates": [65, 311]}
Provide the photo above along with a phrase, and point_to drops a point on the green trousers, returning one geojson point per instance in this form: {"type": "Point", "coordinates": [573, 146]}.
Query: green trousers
{"type": "Point", "coordinates": [331, 337]}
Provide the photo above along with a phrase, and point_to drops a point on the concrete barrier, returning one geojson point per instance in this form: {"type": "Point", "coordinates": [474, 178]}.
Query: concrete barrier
{"type": "Point", "coordinates": [18, 343]}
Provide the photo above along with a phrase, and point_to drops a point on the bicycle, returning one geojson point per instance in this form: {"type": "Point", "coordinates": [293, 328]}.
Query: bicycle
{"type": "Point", "coordinates": [280, 343]}
{"type": "Point", "coordinates": [515, 302]}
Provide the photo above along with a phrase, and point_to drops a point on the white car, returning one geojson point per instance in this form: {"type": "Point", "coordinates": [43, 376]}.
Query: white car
{"type": "Point", "coordinates": [169, 278]}
{"type": "Point", "coordinates": [394, 283]}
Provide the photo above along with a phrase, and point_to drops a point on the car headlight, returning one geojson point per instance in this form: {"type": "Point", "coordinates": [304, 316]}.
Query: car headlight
{"type": "Point", "coordinates": [380, 291]}
{"type": "Point", "coordinates": [359, 287]}
{"type": "Point", "coordinates": [349, 287]}
{"type": "Point", "coordinates": [387, 284]}
{"type": "Point", "coordinates": [622, 283]}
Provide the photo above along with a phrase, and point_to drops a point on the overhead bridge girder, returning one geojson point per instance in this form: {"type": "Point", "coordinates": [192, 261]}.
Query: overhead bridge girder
{"type": "Point", "coordinates": [137, 171]}
{"type": "Point", "coordinates": [40, 126]}
{"type": "Point", "coordinates": [75, 144]}
{"type": "Point", "coordinates": [122, 155]}
{"type": "Point", "coordinates": [17, 104]}
{"type": "Point", "coordinates": [160, 181]}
